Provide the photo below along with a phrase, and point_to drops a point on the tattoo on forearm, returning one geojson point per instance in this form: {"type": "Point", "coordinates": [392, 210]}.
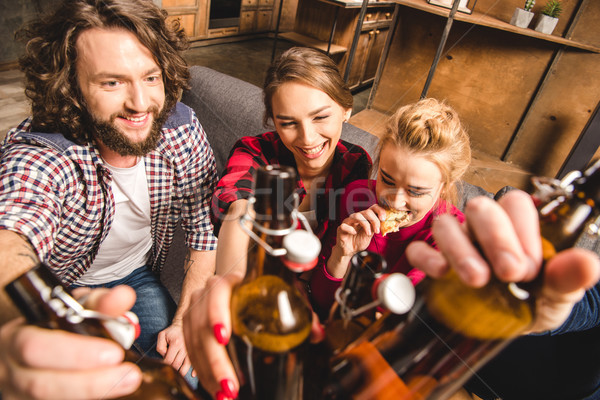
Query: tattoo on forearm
{"type": "Point", "coordinates": [27, 251]}
{"type": "Point", "coordinates": [188, 261]}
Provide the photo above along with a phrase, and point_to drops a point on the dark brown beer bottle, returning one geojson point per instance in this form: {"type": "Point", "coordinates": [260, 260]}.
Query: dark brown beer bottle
{"type": "Point", "coordinates": [46, 302]}
{"type": "Point", "coordinates": [271, 319]}
{"type": "Point", "coordinates": [453, 329]}
{"type": "Point", "coordinates": [366, 289]}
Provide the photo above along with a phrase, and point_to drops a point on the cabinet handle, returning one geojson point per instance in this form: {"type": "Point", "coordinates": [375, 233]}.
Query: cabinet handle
{"type": "Point", "coordinates": [387, 15]}
{"type": "Point", "coordinates": [368, 17]}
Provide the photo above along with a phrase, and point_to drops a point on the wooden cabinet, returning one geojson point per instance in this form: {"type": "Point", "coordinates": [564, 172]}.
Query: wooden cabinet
{"type": "Point", "coordinates": [370, 46]}
{"type": "Point", "coordinates": [256, 16]}
{"type": "Point", "coordinates": [330, 26]}
{"type": "Point", "coordinates": [191, 14]}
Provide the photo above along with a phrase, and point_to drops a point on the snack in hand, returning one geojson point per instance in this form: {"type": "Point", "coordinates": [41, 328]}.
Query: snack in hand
{"type": "Point", "coordinates": [394, 220]}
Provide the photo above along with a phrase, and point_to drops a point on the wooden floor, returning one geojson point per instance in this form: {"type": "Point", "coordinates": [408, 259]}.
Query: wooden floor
{"type": "Point", "coordinates": [14, 107]}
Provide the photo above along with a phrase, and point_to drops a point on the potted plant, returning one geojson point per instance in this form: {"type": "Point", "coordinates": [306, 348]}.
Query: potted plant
{"type": "Point", "coordinates": [549, 17]}
{"type": "Point", "coordinates": [522, 16]}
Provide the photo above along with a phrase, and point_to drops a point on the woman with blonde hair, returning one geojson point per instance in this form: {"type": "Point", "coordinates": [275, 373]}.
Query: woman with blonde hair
{"type": "Point", "coordinates": [422, 155]}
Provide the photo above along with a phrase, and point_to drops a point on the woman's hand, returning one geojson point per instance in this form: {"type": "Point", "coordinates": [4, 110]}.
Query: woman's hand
{"type": "Point", "coordinates": [507, 233]}
{"type": "Point", "coordinates": [356, 231]}
{"type": "Point", "coordinates": [207, 329]}
{"type": "Point", "coordinates": [38, 363]}
{"type": "Point", "coordinates": [354, 235]}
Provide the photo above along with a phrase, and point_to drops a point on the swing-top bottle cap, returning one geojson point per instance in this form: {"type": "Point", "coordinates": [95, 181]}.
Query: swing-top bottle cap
{"type": "Point", "coordinates": [303, 250]}
{"type": "Point", "coordinates": [396, 292]}
{"type": "Point", "coordinates": [125, 329]}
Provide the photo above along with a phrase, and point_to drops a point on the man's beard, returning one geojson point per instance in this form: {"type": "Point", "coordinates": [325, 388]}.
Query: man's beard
{"type": "Point", "coordinates": [115, 140]}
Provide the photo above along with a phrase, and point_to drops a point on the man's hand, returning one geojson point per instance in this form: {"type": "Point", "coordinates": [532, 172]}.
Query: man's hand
{"type": "Point", "coordinates": [38, 363]}
{"type": "Point", "coordinates": [171, 345]}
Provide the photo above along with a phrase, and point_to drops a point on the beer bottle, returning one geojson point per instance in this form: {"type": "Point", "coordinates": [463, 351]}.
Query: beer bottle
{"type": "Point", "coordinates": [45, 301]}
{"type": "Point", "coordinates": [366, 289]}
{"type": "Point", "coordinates": [271, 319]}
{"type": "Point", "coordinates": [454, 329]}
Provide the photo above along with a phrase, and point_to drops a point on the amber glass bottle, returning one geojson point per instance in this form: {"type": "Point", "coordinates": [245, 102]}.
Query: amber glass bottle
{"type": "Point", "coordinates": [454, 329]}
{"type": "Point", "coordinates": [350, 315]}
{"type": "Point", "coordinates": [271, 319]}
{"type": "Point", "coordinates": [367, 289]}
{"type": "Point", "coordinates": [46, 302]}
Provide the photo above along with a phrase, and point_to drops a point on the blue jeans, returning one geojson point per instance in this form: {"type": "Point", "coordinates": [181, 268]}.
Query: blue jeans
{"type": "Point", "coordinates": [153, 306]}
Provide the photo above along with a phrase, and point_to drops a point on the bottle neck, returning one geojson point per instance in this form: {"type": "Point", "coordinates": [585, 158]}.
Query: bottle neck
{"type": "Point", "coordinates": [265, 247]}
{"type": "Point", "coordinates": [355, 296]}
{"type": "Point", "coordinates": [567, 208]}
{"type": "Point", "coordinates": [45, 301]}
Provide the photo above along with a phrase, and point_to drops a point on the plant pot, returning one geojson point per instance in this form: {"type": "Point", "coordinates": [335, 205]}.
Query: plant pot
{"type": "Point", "coordinates": [546, 24]}
{"type": "Point", "coordinates": [521, 18]}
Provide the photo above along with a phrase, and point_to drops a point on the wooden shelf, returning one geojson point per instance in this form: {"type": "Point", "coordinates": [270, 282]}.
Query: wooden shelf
{"type": "Point", "coordinates": [477, 18]}
{"type": "Point", "coordinates": [313, 43]}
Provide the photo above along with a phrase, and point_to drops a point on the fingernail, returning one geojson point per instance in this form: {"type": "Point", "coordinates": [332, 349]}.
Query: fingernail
{"type": "Point", "coordinates": [508, 266]}
{"type": "Point", "coordinates": [473, 272]}
{"type": "Point", "coordinates": [221, 396]}
{"type": "Point", "coordinates": [110, 356]}
{"type": "Point", "coordinates": [220, 334]}
{"type": "Point", "coordinates": [228, 388]}
{"type": "Point", "coordinates": [131, 378]}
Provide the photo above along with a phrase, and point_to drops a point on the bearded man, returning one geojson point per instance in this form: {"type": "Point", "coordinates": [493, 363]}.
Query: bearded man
{"type": "Point", "coordinates": [94, 183]}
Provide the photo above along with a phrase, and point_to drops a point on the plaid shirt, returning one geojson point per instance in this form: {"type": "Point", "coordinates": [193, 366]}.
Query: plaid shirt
{"type": "Point", "coordinates": [58, 194]}
{"type": "Point", "coordinates": [350, 162]}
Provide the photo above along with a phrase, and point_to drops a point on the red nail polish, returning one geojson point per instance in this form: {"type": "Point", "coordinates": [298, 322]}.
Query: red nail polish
{"type": "Point", "coordinates": [221, 396]}
{"type": "Point", "coordinates": [228, 388]}
{"type": "Point", "coordinates": [220, 334]}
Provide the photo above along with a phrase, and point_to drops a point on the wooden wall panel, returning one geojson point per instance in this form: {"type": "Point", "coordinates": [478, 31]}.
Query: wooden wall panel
{"type": "Point", "coordinates": [565, 103]}
{"type": "Point", "coordinates": [555, 120]}
{"type": "Point", "coordinates": [487, 75]}
{"type": "Point", "coordinates": [492, 78]}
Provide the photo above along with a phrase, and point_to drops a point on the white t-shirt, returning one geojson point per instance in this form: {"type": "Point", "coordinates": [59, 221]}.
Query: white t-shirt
{"type": "Point", "coordinates": [128, 243]}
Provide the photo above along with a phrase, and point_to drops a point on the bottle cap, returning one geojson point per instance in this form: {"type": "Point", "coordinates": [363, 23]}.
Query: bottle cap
{"type": "Point", "coordinates": [303, 250]}
{"type": "Point", "coordinates": [396, 292]}
{"type": "Point", "coordinates": [124, 329]}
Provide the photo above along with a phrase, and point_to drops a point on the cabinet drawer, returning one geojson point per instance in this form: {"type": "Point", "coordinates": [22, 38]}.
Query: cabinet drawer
{"type": "Point", "coordinates": [370, 16]}
{"type": "Point", "coordinates": [249, 3]}
{"type": "Point", "coordinates": [385, 15]}
{"type": "Point", "coordinates": [265, 3]}
{"type": "Point", "coordinates": [212, 33]}
{"type": "Point", "coordinates": [263, 20]}
{"type": "Point", "coordinates": [247, 20]}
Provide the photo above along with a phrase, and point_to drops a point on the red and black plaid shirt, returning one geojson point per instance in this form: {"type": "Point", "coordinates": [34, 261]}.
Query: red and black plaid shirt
{"type": "Point", "coordinates": [350, 163]}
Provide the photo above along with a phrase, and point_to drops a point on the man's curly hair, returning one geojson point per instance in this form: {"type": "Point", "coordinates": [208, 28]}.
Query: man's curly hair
{"type": "Point", "coordinates": [50, 57]}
